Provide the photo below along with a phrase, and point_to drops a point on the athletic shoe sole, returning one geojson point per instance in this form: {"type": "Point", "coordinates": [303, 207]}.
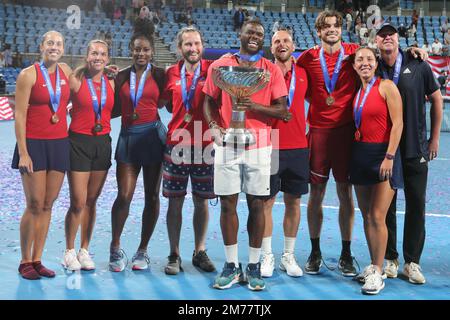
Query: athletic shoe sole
{"type": "Point", "coordinates": [257, 288]}
{"type": "Point", "coordinates": [115, 269]}
{"type": "Point", "coordinates": [234, 281]}
{"type": "Point", "coordinates": [268, 274]}
{"type": "Point", "coordinates": [353, 274]}
{"type": "Point", "coordinates": [283, 268]}
{"type": "Point", "coordinates": [88, 268]}
{"type": "Point", "coordinates": [69, 269]}
{"type": "Point", "coordinates": [137, 268]}
{"type": "Point", "coordinates": [413, 281]}
{"type": "Point", "coordinates": [373, 292]}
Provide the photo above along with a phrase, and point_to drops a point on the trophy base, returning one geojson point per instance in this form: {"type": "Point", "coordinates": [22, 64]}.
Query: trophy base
{"type": "Point", "coordinates": [238, 137]}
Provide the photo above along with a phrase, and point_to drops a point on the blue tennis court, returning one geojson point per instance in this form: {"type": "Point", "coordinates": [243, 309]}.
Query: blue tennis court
{"type": "Point", "coordinates": [191, 284]}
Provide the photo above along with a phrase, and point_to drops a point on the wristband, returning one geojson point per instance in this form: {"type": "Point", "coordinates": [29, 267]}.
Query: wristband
{"type": "Point", "coordinates": [389, 156]}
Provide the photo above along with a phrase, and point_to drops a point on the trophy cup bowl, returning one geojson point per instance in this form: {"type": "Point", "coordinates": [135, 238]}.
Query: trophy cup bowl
{"type": "Point", "coordinates": [239, 82]}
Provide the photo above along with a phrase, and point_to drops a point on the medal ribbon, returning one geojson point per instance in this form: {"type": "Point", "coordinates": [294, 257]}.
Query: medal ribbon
{"type": "Point", "coordinates": [188, 96]}
{"type": "Point", "coordinates": [136, 96]}
{"type": "Point", "coordinates": [357, 109]}
{"type": "Point", "coordinates": [55, 96]}
{"type": "Point", "coordinates": [397, 67]}
{"type": "Point", "coordinates": [291, 87]}
{"type": "Point", "coordinates": [245, 57]}
{"type": "Point", "coordinates": [97, 108]}
{"type": "Point", "coordinates": [331, 84]}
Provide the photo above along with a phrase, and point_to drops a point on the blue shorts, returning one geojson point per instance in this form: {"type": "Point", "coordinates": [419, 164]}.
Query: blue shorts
{"type": "Point", "coordinates": [46, 154]}
{"type": "Point", "coordinates": [292, 175]}
{"type": "Point", "coordinates": [366, 161]}
{"type": "Point", "coordinates": [141, 144]}
{"type": "Point", "coordinates": [176, 172]}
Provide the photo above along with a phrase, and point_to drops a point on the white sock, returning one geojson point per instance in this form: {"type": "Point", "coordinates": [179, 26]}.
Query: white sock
{"type": "Point", "coordinates": [289, 244]}
{"type": "Point", "coordinates": [254, 255]}
{"type": "Point", "coordinates": [231, 254]}
{"type": "Point", "coordinates": [266, 246]}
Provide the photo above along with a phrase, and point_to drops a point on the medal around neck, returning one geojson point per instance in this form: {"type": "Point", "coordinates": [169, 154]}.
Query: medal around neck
{"type": "Point", "coordinates": [187, 117]}
{"type": "Point", "coordinates": [54, 119]}
{"type": "Point", "coordinates": [98, 127]}
{"type": "Point", "coordinates": [239, 82]}
{"type": "Point", "coordinates": [330, 100]}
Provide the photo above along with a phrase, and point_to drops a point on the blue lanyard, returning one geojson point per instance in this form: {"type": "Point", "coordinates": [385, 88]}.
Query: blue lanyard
{"type": "Point", "coordinates": [357, 109]}
{"type": "Point", "coordinates": [136, 96]}
{"type": "Point", "coordinates": [55, 96]}
{"type": "Point", "coordinates": [253, 58]}
{"type": "Point", "coordinates": [187, 96]}
{"type": "Point", "coordinates": [291, 87]}
{"type": "Point", "coordinates": [97, 108]}
{"type": "Point", "coordinates": [331, 84]}
{"type": "Point", "coordinates": [397, 67]}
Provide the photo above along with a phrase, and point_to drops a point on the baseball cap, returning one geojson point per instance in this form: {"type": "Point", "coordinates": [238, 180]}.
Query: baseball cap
{"type": "Point", "coordinates": [385, 26]}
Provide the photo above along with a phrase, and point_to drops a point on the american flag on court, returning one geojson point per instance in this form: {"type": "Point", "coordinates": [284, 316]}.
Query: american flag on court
{"type": "Point", "coordinates": [439, 64]}
{"type": "Point", "coordinates": [6, 111]}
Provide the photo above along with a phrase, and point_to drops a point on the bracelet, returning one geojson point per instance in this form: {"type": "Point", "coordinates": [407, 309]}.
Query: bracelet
{"type": "Point", "coordinates": [389, 156]}
{"type": "Point", "coordinates": [212, 124]}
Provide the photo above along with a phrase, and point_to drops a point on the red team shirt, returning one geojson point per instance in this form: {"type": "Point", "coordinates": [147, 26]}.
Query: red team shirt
{"type": "Point", "coordinates": [292, 134]}
{"type": "Point", "coordinates": [260, 124]}
{"type": "Point", "coordinates": [172, 92]}
{"type": "Point", "coordinates": [83, 115]}
{"type": "Point", "coordinates": [40, 110]}
{"type": "Point", "coordinates": [375, 121]}
{"type": "Point", "coordinates": [339, 114]}
{"type": "Point", "coordinates": [147, 107]}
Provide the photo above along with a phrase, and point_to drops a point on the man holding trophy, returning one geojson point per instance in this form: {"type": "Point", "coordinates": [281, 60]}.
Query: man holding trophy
{"type": "Point", "coordinates": [243, 93]}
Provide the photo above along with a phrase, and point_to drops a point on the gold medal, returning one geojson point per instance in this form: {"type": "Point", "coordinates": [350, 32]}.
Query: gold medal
{"type": "Point", "coordinates": [357, 135]}
{"type": "Point", "coordinates": [330, 100]}
{"type": "Point", "coordinates": [54, 119]}
{"type": "Point", "coordinates": [98, 127]}
{"type": "Point", "coordinates": [134, 116]}
{"type": "Point", "coordinates": [187, 117]}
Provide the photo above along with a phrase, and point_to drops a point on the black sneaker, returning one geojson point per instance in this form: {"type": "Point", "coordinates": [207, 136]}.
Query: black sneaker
{"type": "Point", "coordinates": [202, 261]}
{"type": "Point", "coordinates": [173, 266]}
{"type": "Point", "coordinates": [314, 263]}
{"type": "Point", "coordinates": [253, 275]}
{"type": "Point", "coordinates": [346, 266]}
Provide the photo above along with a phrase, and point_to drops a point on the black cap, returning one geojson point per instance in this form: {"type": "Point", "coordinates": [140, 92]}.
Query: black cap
{"type": "Point", "coordinates": [387, 25]}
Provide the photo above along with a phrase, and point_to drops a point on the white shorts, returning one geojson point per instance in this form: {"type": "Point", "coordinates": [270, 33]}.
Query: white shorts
{"type": "Point", "coordinates": [240, 170]}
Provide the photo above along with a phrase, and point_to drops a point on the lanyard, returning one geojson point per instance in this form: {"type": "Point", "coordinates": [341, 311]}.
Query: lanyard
{"type": "Point", "coordinates": [97, 108]}
{"type": "Point", "coordinates": [55, 96]}
{"type": "Point", "coordinates": [187, 96]}
{"type": "Point", "coordinates": [357, 109]}
{"type": "Point", "coordinates": [291, 87]}
{"type": "Point", "coordinates": [331, 84]}
{"type": "Point", "coordinates": [397, 67]}
{"type": "Point", "coordinates": [253, 58]}
{"type": "Point", "coordinates": [136, 96]}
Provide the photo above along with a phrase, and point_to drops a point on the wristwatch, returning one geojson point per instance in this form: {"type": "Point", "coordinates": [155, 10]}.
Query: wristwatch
{"type": "Point", "coordinates": [389, 156]}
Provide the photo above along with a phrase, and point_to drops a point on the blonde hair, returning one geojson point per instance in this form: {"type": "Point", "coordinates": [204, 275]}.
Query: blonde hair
{"type": "Point", "coordinates": [81, 70]}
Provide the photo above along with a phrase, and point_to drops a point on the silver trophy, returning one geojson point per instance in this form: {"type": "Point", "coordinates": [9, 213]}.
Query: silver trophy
{"type": "Point", "coordinates": [239, 82]}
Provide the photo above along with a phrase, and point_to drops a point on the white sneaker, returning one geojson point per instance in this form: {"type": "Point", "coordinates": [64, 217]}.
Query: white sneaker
{"type": "Point", "coordinates": [70, 261]}
{"type": "Point", "coordinates": [85, 260]}
{"type": "Point", "coordinates": [373, 282]}
{"type": "Point", "coordinates": [391, 268]}
{"type": "Point", "coordinates": [362, 276]}
{"type": "Point", "coordinates": [290, 265]}
{"type": "Point", "coordinates": [414, 273]}
{"type": "Point", "coordinates": [267, 264]}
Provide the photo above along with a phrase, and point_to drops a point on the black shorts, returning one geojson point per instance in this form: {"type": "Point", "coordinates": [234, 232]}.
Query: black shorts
{"type": "Point", "coordinates": [89, 153]}
{"type": "Point", "coordinates": [366, 161]}
{"type": "Point", "coordinates": [46, 154]}
{"type": "Point", "coordinates": [290, 174]}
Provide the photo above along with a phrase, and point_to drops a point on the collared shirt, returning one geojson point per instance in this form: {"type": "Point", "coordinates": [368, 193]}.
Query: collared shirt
{"type": "Point", "coordinates": [416, 81]}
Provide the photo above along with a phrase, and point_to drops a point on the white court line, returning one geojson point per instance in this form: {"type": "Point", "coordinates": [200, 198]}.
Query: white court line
{"type": "Point", "coordinates": [356, 209]}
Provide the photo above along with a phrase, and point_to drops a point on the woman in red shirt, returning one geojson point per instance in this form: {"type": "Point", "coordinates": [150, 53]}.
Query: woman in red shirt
{"type": "Point", "coordinates": [90, 152]}
{"type": "Point", "coordinates": [140, 145]}
{"type": "Point", "coordinates": [42, 150]}
{"type": "Point", "coordinates": [375, 168]}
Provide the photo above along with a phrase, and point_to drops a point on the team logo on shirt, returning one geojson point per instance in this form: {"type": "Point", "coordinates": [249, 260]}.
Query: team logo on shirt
{"type": "Point", "coordinates": [406, 71]}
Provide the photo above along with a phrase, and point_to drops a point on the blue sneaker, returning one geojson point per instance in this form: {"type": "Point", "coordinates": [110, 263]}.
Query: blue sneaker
{"type": "Point", "coordinates": [254, 279]}
{"type": "Point", "coordinates": [229, 276]}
